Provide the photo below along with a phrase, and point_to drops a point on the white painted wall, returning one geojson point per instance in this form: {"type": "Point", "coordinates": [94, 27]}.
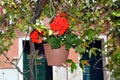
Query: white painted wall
{"type": "Point", "coordinates": [64, 73]}
{"type": "Point", "coordinates": [107, 74]}
{"type": "Point", "coordinates": [8, 74]}
{"type": "Point", "coordinates": [20, 50]}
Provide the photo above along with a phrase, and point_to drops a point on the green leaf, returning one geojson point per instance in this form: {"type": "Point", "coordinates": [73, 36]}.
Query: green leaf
{"type": "Point", "coordinates": [72, 39]}
{"type": "Point", "coordinates": [90, 54]}
{"type": "Point", "coordinates": [81, 64]}
{"type": "Point", "coordinates": [118, 22]}
{"type": "Point", "coordinates": [68, 46]}
{"type": "Point", "coordinates": [54, 41]}
{"type": "Point", "coordinates": [92, 51]}
{"type": "Point", "coordinates": [79, 49]}
{"type": "Point", "coordinates": [43, 27]}
{"type": "Point", "coordinates": [116, 13]}
{"type": "Point", "coordinates": [73, 65]}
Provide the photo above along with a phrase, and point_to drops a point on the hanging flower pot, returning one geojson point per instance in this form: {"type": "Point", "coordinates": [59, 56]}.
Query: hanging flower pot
{"type": "Point", "coordinates": [55, 57]}
{"type": "Point", "coordinates": [55, 34]}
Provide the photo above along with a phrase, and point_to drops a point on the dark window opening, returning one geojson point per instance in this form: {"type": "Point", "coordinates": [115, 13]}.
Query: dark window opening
{"type": "Point", "coordinates": [38, 47]}
{"type": "Point", "coordinates": [93, 72]}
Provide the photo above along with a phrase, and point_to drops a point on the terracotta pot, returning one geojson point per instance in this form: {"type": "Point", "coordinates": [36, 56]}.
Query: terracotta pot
{"type": "Point", "coordinates": [55, 57]}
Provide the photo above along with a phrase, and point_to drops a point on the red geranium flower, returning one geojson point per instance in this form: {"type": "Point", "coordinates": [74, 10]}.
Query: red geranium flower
{"type": "Point", "coordinates": [59, 24]}
{"type": "Point", "coordinates": [36, 36]}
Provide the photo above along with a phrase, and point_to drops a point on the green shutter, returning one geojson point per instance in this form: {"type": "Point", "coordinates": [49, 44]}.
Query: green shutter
{"type": "Point", "coordinates": [41, 70]}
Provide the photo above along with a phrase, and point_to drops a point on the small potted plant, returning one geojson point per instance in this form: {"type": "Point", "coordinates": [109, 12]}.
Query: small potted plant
{"type": "Point", "coordinates": [58, 37]}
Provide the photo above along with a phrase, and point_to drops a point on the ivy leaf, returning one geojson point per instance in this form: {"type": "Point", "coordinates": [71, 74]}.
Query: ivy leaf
{"type": "Point", "coordinates": [116, 13]}
{"type": "Point", "coordinates": [118, 22]}
{"type": "Point", "coordinates": [43, 27]}
{"type": "Point", "coordinates": [92, 51]}
{"type": "Point", "coordinates": [86, 62]}
{"type": "Point", "coordinates": [73, 65]}
{"type": "Point", "coordinates": [81, 64]}
{"type": "Point", "coordinates": [13, 4]}
{"type": "Point", "coordinates": [79, 49]}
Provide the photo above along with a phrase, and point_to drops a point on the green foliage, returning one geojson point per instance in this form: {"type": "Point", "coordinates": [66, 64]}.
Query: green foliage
{"type": "Point", "coordinates": [54, 41]}
{"type": "Point", "coordinates": [16, 16]}
{"type": "Point", "coordinates": [114, 64]}
{"type": "Point", "coordinates": [68, 39]}
{"type": "Point", "coordinates": [82, 47]}
{"type": "Point", "coordinates": [71, 40]}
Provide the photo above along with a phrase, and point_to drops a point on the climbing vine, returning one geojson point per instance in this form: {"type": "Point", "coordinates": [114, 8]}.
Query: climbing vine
{"type": "Point", "coordinates": [87, 18]}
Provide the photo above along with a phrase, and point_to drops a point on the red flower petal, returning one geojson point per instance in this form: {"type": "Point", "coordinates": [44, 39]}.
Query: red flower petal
{"type": "Point", "coordinates": [36, 36]}
{"type": "Point", "coordinates": [59, 24]}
